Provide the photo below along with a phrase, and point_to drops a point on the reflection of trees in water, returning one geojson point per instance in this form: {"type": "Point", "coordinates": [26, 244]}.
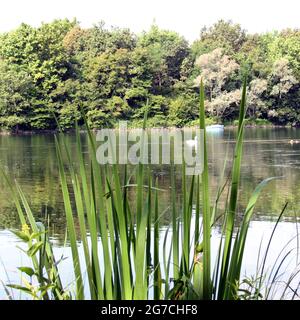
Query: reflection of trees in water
{"type": "Point", "coordinates": [8, 218]}
{"type": "Point", "coordinates": [269, 155]}
{"type": "Point", "coordinates": [32, 161]}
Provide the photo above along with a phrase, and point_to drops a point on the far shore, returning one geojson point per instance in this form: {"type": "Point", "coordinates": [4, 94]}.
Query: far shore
{"type": "Point", "coordinates": [4, 132]}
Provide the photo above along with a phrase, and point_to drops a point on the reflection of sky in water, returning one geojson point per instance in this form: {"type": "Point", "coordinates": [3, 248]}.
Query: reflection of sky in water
{"type": "Point", "coordinates": [284, 240]}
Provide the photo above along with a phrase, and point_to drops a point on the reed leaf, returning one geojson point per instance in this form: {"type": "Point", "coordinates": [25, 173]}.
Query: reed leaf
{"type": "Point", "coordinates": [205, 206]}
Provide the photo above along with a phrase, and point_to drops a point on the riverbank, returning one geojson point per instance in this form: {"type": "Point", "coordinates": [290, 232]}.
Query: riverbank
{"type": "Point", "coordinates": [4, 132]}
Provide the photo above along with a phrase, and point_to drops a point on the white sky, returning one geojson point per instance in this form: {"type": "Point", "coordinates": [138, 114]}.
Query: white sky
{"type": "Point", "coordinates": [184, 16]}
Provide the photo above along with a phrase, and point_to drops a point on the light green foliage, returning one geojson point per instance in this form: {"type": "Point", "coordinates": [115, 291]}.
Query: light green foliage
{"type": "Point", "coordinates": [68, 115]}
{"type": "Point", "coordinates": [39, 52]}
{"type": "Point", "coordinates": [40, 281]}
{"type": "Point", "coordinates": [115, 81]}
{"type": "Point", "coordinates": [286, 45]}
{"type": "Point", "coordinates": [113, 73]}
{"type": "Point", "coordinates": [167, 51]}
{"type": "Point", "coordinates": [16, 87]}
{"type": "Point", "coordinates": [100, 39]}
{"type": "Point", "coordinates": [223, 34]}
{"type": "Point", "coordinates": [182, 111]}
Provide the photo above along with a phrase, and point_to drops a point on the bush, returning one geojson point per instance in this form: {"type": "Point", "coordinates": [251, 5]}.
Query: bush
{"type": "Point", "coordinates": [180, 111]}
{"type": "Point", "coordinates": [12, 122]}
{"type": "Point", "coordinates": [68, 115]}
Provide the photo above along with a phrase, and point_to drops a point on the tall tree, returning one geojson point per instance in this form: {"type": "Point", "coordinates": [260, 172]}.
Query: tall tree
{"type": "Point", "coordinates": [223, 34]}
{"type": "Point", "coordinates": [282, 78]}
{"type": "Point", "coordinates": [215, 69]}
{"type": "Point", "coordinates": [167, 50]}
{"type": "Point", "coordinates": [16, 89]}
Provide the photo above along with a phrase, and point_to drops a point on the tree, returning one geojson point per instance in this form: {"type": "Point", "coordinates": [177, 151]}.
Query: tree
{"type": "Point", "coordinates": [60, 68]}
{"type": "Point", "coordinates": [16, 88]}
{"type": "Point", "coordinates": [183, 109]}
{"type": "Point", "coordinates": [123, 74]}
{"type": "Point", "coordinates": [282, 78]}
{"type": "Point", "coordinates": [225, 105]}
{"type": "Point", "coordinates": [253, 56]}
{"type": "Point", "coordinates": [66, 101]}
{"type": "Point", "coordinates": [223, 34]}
{"type": "Point", "coordinates": [84, 43]}
{"type": "Point", "coordinates": [74, 41]}
{"type": "Point", "coordinates": [167, 50]}
{"type": "Point", "coordinates": [215, 68]}
{"type": "Point", "coordinates": [255, 98]}
{"type": "Point", "coordinates": [286, 45]}
{"type": "Point", "coordinates": [40, 53]}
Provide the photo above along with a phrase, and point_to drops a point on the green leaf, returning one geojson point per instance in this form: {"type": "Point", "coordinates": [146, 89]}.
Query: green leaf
{"type": "Point", "coordinates": [22, 235]}
{"type": "Point", "coordinates": [18, 287]}
{"type": "Point", "coordinates": [29, 271]}
{"type": "Point", "coordinates": [34, 248]}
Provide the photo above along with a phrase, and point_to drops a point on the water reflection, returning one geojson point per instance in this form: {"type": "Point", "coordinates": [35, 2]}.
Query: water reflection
{"type": "Point", "coordinates": [31, 160]}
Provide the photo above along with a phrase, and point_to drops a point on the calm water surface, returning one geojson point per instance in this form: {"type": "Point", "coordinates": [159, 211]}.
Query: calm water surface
{"type": "Point", "coordinates": [31, 160]}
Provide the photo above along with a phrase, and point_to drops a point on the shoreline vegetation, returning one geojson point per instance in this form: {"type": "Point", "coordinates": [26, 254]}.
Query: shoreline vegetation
{"type": "Point", "coordinates": [4, 132]}
{"type": "Point", "coordinates": [60, 70]}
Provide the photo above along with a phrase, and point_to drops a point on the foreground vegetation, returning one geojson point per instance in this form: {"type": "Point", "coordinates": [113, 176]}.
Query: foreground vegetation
{"type": "Point", "coordinates": [61, 68]}
{"type": "Point", "coordinates": [125, 256]}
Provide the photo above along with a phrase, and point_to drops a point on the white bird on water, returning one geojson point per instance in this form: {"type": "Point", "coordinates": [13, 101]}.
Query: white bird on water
{"type": "Point", "coordinates": [213, 128]}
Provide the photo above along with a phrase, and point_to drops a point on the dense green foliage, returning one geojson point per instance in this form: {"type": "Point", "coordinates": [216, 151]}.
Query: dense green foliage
{"type": "Point", "coordinates": [111, 73]}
